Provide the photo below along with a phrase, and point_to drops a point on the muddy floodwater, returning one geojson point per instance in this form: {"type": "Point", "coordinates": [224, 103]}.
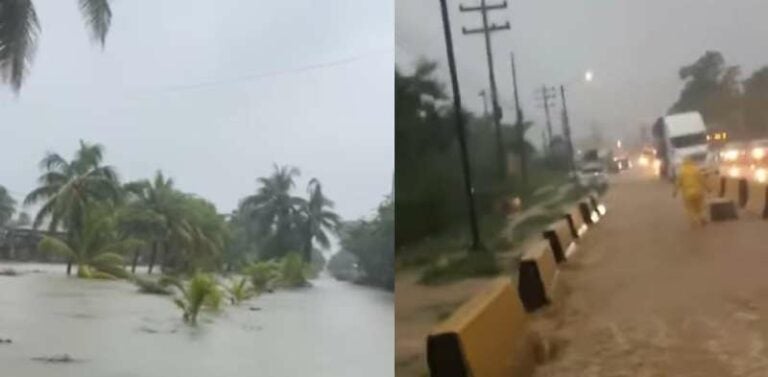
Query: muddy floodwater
{"type": "Point", "coordinates": [334, 329]}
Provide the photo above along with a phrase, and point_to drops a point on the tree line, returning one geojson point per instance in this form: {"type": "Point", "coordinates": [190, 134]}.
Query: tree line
{"type": "Point", "coordinates": [102, 226]}
{"type": "Point", "coordinates": [429, 178]}
{"type": "Point", "coordinates": [726, 101]}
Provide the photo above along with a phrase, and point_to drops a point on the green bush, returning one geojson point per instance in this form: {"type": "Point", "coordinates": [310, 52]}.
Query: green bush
{"type": "Point", "coordinates": [293, 271]}
{"type": "Point", "coordinates": [263, 274]}
{"type": "Point", "coordinates": [151, 286]}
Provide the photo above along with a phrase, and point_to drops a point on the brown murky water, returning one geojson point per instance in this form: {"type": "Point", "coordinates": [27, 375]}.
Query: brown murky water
{"type": "Point", "coordinates": [334, 329]}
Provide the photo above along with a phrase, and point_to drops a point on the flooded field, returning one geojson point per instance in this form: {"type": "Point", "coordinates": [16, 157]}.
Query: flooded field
{"type": "Point", "coordinates": [334, 329]}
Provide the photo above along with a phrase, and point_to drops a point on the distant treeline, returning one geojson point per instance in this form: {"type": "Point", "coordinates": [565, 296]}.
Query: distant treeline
{"type": "Point", "coordinates": [725, 100]}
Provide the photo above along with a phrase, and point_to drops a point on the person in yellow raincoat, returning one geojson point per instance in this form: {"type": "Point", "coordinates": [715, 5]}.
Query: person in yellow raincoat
{"type": "Point", "coordinates": [690, 182]}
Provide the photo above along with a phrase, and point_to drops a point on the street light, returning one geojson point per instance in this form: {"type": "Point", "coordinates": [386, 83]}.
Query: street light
{"type": "Point", "coordinates": [588, 77]}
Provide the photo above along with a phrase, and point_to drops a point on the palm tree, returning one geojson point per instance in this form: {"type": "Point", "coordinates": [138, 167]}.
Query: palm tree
{"type": "Point", "coordinates": [206, 234]}
{"type": "Point", "coordinates": [319, 219]}
{"type": "Point", "coordinates": [7, 206]}
{"type": "Point", "coordinates": [67, 188]}
{"type": "Point", "coordinates": [19, 29]}
{"type": "Point", "coordinates": [191, 232]}
{"type": "Point", "coordinates": [96, 247]}
{"type": "Point", "coordinates": [275, 211]}
{"type": "Point", "coordinates": [157, 198]}
{"type": "Point", "coordinates": [137, 221]}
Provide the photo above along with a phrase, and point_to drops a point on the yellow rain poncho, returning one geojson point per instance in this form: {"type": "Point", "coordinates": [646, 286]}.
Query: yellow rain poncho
{"type": "Point", "coordinates": [690, 183]}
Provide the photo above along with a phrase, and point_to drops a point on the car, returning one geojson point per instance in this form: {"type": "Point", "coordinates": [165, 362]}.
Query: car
{"type": "Point", "coordinates": [592, 175]}
{"type": "Point", "coordinates": [734, 153]}
{"type": "Point", "coordinates": [622, 163]}
{"type": "Point", "coordinates": [758, 152]}
{"type": "Point", "coordinates": [734, 161]}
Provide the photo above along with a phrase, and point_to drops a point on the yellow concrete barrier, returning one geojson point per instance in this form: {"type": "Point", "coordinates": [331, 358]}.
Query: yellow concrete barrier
{"type": "Point", "coordinates": [757, 198]}
{"type": "Point", "coordinates": [588, 212]}
{"type": "Point", "coordinates": [537, 276]}
{"type": "Point", "coordinates": [560, 238]}
{"type": "Point", "coordinates": [597, 204]}
{"type": "Point", "coordinates": [577, 222]}
{"type": "Point", "coordinates": [485, 337]}
{"type": "Point", "coordinates": [733, 189]}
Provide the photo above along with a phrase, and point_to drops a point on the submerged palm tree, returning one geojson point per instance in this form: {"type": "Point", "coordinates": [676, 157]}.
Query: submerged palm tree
{"type": "Point", "coordinates": [275, 211]}
{"type": "Point", "coordinates": [67, 188]}
{"type": "Point", "coordinates": [318, 219]}
{"type": "Point", "coordinates": [96, 247]}
{"type": "Point", "coordinates": [201, 291]}
{"type": "Point", "coordinates": [7, 206]}
{"type": "Point", "coordinates": [239, 291]}
{"type": "Point", "coordinates": [19, 29]}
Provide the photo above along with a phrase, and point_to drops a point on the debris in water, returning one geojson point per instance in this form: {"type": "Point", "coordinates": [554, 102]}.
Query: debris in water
{"type": "Point", "coordinates": [148, 330]}
{"type": "Point", "coordinates": [8, 341]}
{"type": "Point", "coordinates": [62, 358]}
{"type": "Point", "coordinates": [254, 308]}
{"type": "Point", "coordinates": [9, 272]}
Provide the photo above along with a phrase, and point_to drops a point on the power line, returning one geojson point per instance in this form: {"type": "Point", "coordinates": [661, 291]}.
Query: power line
{"type": "Point", "coordinates": [256, 76]}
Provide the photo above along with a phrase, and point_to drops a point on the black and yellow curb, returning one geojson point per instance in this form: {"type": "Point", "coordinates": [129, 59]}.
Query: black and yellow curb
{"type": "Point", "coordinates": [485, 337]}
{"type": "Point", "coordinates": [537, 276]}
{"type": "Point", "coordinates": [561, 240]}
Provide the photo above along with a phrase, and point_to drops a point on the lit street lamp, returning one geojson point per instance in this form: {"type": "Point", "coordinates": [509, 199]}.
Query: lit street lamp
{"type": "Point", "coordinates": [588, 77]}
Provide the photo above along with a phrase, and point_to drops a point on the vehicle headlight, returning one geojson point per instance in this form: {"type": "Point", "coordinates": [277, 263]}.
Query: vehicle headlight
{"type": "Point", "coordinates": [758, 153]}
{"type": "Point", "coordinates": [730, 155]}
{"type": "Point", "coordinates": [761, 175]}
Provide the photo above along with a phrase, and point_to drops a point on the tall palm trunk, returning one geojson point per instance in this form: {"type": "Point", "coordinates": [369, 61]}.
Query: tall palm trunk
{"type": "Point", "coordinates": [12, 241]}
{"type": "Point", "coordinates": [166, 255]}
{"type": "Point", "coordinates": [308, 248]}
{"type": "Point", "coordinates": [135, 260]}
{"type": "Point", "coordinates": [153, 256]}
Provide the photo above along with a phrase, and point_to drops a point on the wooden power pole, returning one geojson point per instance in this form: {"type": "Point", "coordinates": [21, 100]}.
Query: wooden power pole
{"type": "Point", "coordinates": [546, 95]}
{"type": "Point", "coordinates": [486, 30]}
{"type": "Point", "coordinates": [520, 126]}
{"type": "Point", "coordinates": [460, 131]}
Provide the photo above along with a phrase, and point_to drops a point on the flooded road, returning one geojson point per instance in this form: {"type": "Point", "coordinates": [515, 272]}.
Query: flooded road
{"type": "Point", "coordinates": [334, 329]}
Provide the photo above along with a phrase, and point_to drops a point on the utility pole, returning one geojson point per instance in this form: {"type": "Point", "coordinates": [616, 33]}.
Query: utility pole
{"type": "Point", "coordinates": [486, 30]}
{"type": "Point", "coordinates": [468, 189]}
{"type": "Point", "coordinates": [485, 103]}
{"type": "Point", "coordinates": [567, 129]}
{"type": "Point", "coordinates": [520, 130]}
{"type": "Point", "coordinates": [546, 95]}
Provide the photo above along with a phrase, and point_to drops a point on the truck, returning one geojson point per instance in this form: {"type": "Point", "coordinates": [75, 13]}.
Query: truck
{"type": "Point", "coordinates": [677, 137]}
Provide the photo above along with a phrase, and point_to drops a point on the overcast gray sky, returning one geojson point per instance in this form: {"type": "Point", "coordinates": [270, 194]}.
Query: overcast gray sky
{"type": "Point", "coordinates": [635, 49]}
{"type": "Point", "coordinates": [213, 93]}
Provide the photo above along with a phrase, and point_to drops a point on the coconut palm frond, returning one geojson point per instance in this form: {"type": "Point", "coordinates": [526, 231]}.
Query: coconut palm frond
{"type": "Point", "coordinates": [54, 162]}
{"type": "Point", "coordinates": [55, 245]}
{"type": "Point", "coordinates": [19, 29]}
{"type": "Point", "coordinates": [98, 16]}
{"type": "Point", "coordinates": [107, 259]}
